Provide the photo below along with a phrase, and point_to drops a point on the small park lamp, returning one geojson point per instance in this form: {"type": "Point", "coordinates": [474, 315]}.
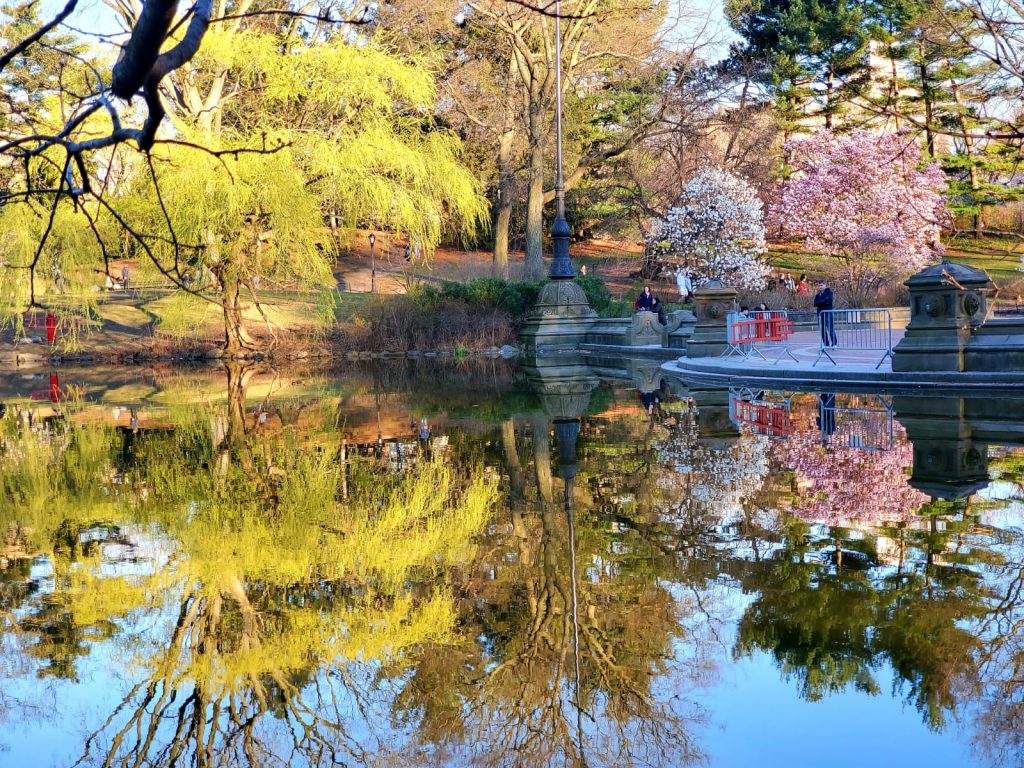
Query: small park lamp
{"type": "Point", "coordinates": [373, 265]}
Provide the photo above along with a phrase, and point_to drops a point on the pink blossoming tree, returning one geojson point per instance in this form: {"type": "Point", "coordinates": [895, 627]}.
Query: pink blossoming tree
{"type": "Point", "coordinates": [865, 199]}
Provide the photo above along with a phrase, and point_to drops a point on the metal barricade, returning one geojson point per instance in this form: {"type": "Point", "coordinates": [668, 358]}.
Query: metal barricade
{"type": "Point", "coordinates": [855, 329]}
{"type": "Point", "coordinates": [859, 426]}
{"type": "Point", "coordinates": [758, 332]}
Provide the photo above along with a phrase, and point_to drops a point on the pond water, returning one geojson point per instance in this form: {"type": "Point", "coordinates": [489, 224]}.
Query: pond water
{"type": "Point", "coordinates": [481, 564]}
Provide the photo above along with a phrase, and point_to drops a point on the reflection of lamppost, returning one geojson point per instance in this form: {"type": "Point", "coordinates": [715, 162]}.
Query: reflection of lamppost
{"type": "Point", "coordinates": [373, 265]}
{"type": "Point", "coordinates": [561, 266]}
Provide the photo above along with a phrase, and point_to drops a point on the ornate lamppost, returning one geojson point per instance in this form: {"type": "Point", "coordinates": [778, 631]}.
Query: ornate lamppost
{"type": "Point", "coordinates": [373, 265]}
{"type": "Point", "coordinates": [562, 315]}
{"type": "Point", "coordinates": [561, 265]}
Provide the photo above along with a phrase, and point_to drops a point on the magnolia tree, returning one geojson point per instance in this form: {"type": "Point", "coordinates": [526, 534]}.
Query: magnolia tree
{"type": "Point", "coordinates": [865, 199]}
{"type": "Point", "coordinates": [716, 230]}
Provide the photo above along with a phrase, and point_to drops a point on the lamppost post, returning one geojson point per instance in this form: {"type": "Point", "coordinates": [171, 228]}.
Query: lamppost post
{"type": "Point", "coordinates": [561, 265]}
{"type": "Point", "coordinates": [373, 265]}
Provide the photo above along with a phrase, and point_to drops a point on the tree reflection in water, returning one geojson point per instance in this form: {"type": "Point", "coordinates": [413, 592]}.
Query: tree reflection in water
{"type": "Point", "coordinates": [272, 594]}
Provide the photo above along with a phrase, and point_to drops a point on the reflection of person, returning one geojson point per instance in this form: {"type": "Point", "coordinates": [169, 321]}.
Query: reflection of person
{"type": "Point", "coordinates": [648, 400]}
{"type": "Point", "coordinates": [826, 416]}
{"type": "Point", "coordinates": [823, 304]}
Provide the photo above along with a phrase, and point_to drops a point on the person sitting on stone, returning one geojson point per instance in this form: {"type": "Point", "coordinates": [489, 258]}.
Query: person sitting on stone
{"type": "Point", "coordinates": [657, 306]}
{"type": "Point", "coordinates": [645, 302]}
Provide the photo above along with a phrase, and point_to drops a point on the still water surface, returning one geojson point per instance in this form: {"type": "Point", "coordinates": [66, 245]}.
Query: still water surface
{"type": "Point", "coordinates": [485, 565]}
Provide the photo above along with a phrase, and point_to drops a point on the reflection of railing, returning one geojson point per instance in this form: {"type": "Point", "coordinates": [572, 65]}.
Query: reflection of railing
{"type": "Point", "coordinates": [762, 417]}
{"type": "Point", "coordinates": [855, 329]}
{"type": "Point", "coordinates": [758, 332]}
{"type": "Point", "coordinates": [869, 429]}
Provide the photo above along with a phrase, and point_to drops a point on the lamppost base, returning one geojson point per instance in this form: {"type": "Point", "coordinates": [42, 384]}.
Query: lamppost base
{"type": "Point", "coordinates": [562, 316]}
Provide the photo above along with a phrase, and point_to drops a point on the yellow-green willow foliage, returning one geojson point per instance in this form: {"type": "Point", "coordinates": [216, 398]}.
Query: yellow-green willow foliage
{"type": "Point", "coordinates": [263, 569]}
{"type": "Point", "coordinates": [53, 480]}
{"type": "Point", "coordinates": [348, 134]}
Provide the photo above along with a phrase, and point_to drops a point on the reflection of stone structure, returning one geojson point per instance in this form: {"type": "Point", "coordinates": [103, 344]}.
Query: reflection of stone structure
{"type": "Point", "coordinates": [714, 424]}
{"type": "Point", "coordinates": [564, 386]}
{"type": "Point", "coordinates": [714, 300]}
{"type": "Point", "coordinates": [951, 437]}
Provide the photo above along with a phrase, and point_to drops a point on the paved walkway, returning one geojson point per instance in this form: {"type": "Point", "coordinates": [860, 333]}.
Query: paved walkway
{"type": "Point", "coordinates": [805, 347]}
{"type": "Point", "coordinates": [852, 368]}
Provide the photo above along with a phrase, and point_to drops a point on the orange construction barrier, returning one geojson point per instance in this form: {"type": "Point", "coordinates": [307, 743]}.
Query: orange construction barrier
{"type": "Point", "coordinates": [769, 329]}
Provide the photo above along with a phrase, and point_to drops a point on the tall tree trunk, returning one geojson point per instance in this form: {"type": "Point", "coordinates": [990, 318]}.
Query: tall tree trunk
{"type": "Point", "coordinates": [830, 87]}
{"type": "Point", "coordinates": [926, 95]}
{"type": "Point", "coordinates": [503, 205]}
{"type": "Point", "coordinates": [894, 90]}
{"type": "Point", "coordinates": [535, 191]}
{"type": "Point", "coordinates": [977, 220]}
{"type": "Point", "coordinates": [235, 338]}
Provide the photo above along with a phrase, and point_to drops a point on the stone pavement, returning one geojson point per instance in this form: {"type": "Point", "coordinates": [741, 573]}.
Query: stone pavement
{"type": "Point", "coordinates": [853, 368]}
{"type": "Point", "coordinates": [804, 346]}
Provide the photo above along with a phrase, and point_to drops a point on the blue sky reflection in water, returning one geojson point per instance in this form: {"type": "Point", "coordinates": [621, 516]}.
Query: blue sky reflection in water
{"type": "Point", "coordinates": [375, 569]}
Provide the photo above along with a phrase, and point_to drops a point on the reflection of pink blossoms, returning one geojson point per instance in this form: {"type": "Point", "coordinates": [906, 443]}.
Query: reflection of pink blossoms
{"type": "Point", "coordinates": [836, 483]}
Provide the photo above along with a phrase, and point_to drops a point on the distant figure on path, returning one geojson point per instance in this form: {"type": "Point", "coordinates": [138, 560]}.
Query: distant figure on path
{"type": "Point", "coordinates": [124, 278]}
{"type": "Point", "coordinates": [823, 303]}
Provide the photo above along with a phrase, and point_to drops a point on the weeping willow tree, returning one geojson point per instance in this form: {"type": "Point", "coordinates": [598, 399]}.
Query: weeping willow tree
{"type": "Point", "coordinates": [334, 133]}
{"type": "Point", "coordinates": [48, 254]}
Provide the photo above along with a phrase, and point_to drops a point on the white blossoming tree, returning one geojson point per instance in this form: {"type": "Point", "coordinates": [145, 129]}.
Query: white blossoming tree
{"type": "Point", "coordinates": [716, 230]}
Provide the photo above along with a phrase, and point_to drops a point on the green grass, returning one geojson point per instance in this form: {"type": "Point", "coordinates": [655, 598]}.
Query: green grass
{"type": "Point", "coordinates": [1000, 257]}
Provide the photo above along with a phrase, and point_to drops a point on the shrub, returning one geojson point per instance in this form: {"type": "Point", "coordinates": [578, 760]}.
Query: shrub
{"type": "Point", "coordinates": [597, 292]}
{"type": "Point", "coordinates": [427, 322]}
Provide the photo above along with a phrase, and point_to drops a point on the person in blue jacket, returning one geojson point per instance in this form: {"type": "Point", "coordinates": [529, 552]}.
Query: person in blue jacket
{"type": "Point", "coordinates": [826, 324]}
{"type": "Point", "coordinates": [645, 302]}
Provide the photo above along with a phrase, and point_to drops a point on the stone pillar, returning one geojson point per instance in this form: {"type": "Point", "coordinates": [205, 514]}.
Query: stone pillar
{"type": "Point", "coordinates": [714, 300]}
{"type": "Point", "coordinates": [947, 302]}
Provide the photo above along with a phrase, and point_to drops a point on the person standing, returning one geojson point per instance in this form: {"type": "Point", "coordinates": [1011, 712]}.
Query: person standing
{"type": "Point", "coordinates": [823, 304]}
{"type": "Point", "coordinates": [684, 283]}
{"type": "Point", "coordinates": [801, 286]}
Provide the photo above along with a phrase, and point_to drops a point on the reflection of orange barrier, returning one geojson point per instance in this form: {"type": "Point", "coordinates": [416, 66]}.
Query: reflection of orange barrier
{"type": "Point", "coordinates": [55, 393]}
{"type": "Point", "coordinates": [770, 419]}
